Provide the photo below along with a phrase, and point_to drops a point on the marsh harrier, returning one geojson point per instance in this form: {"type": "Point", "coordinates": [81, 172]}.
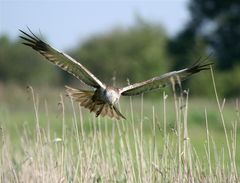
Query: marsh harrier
{"type": "Point", "coordinates": [102, 99]}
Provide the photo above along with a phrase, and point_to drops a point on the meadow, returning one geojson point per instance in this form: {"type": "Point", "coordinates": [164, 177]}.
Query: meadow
{"type": "Point", "coordinates": [47, 137]}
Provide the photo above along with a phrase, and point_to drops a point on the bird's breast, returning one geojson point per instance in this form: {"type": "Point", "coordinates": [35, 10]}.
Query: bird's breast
{"type": "Point", "coordinates": [111, 95]}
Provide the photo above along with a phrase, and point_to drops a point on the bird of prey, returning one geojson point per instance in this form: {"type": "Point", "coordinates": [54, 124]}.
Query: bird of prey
{"type": "Point", "coordinates": [102, 99]}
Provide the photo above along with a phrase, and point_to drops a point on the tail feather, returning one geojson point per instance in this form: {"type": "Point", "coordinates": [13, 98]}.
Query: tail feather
{"type": "Point", "coordinates": [88, 104]}
{"type": "Point", "coordinates": [100, 111]}
{"type": "Point", "coordinates": [103, 112]}
{"type": "Point", "coordinates": [110, 112]}
{"type": "Point", "coordinates": [85, 98]}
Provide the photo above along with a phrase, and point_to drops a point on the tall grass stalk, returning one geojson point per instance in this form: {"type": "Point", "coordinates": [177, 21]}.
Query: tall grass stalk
{"type": "Point", "coordinates": [89, 149]}
{"type": "Point", "coordinates": [231, 151]}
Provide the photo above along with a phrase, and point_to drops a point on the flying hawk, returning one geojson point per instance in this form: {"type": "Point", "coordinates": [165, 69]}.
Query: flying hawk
{"type": "Point", "coordinates": [103, 99]}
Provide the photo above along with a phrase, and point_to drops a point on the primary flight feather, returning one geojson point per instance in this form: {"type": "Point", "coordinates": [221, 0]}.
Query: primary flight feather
{"type": "Point", "coordinates": [103, 99]}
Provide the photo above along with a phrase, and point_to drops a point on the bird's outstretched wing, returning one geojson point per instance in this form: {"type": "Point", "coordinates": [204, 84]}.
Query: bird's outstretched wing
{"type": "Point", "coordinates": [164, 80]}
{"type": "Point", "coordinates": [61, 59]}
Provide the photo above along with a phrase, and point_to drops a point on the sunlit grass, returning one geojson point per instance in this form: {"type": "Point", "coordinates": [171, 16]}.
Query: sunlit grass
{"type": "Point", "coordinates": [51, 139]}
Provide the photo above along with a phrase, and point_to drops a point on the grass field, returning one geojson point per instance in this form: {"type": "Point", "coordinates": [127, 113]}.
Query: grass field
{"type": "Point", "coordinates": [45, 137]}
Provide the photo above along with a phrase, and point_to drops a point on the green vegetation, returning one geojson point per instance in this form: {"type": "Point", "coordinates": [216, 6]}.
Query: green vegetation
{"type": "Point", "coordinates": [212, 25]}
{"type": "Point", "coordinates": [51, 139]}
{"type": "Point", "coordinates": [22, 66]}
{"type": "Point", "coordinates": [212, 28]}
{"type": "Point", "coordinates": [137, 53]}
{"type": "Point", "coordinates": [124, 54]}
{"type": "Point", "coordinates": [45, 137]}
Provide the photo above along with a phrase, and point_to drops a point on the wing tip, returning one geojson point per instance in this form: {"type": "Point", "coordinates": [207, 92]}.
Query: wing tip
{"type": "Point", "coordinates": [200, 65]}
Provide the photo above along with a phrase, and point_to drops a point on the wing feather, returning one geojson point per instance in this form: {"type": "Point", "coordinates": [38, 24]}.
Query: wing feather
{"type": "Point", "coordinates": [61, 59]}
{"type": "Point", "coordinates": [163, 80]}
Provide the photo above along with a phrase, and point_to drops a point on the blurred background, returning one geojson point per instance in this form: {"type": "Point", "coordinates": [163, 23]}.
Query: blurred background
{"type": "Point", "coordinates": [123, 40]}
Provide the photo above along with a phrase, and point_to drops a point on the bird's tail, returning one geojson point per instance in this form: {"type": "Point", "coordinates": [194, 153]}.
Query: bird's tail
{"type": "Point", "coordinates": [86, 100]}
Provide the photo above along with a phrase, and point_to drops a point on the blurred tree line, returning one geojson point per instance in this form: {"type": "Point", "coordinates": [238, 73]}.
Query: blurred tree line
{"type": "Point", "coordinates": [214, 27]}
{"type": "Point", "coordinates": [144, 50]}
{"type": "Point", "coordinates": [23, 66]}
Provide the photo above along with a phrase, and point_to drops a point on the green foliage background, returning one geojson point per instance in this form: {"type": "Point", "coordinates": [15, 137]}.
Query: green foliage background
{"type": "Point", "coordinates": [21, 65]}
{"type": "Point", "coordinates": [136, 53]}
{"type": "Point", "coordinates": [142, 51]}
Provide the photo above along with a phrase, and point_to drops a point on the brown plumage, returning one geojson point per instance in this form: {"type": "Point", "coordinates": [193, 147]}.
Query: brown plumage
{"type": "Point", "coordinates": [89, 100]}
{"type": "Point", "coordinates": [103, 99]}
